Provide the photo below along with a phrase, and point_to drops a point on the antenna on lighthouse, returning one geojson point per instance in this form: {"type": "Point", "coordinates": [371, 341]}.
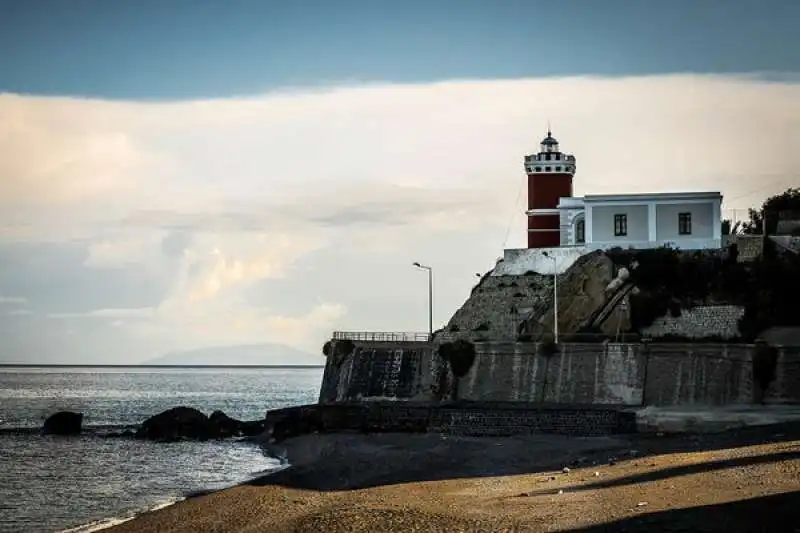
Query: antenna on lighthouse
{"type": "Point", "coordinates": [548, 128]}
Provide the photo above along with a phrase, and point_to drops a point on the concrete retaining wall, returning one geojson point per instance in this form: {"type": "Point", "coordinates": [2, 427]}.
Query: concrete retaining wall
{"type": "Point", "coordinates": [630, 374]}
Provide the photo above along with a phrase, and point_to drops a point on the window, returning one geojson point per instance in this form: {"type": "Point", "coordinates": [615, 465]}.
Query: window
{"type": "Point", "coordinates": [684, 223]}
{"type": "Point", "coordinates": [558, 169]}
{"type": "Point", "coordinates": [620, 225]}
{"type": "Point", "coordinates": [538, 169]}
{"type": "Point", "coordinates": [580, 232]}
{"type": "Point", "coordinates": [547, 156]}
{"type": "Point", "coordinates": [548, 169]}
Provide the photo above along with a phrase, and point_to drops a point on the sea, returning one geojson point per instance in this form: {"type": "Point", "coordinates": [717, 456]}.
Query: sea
{"type": "Point", "coordinates": [87, 482]}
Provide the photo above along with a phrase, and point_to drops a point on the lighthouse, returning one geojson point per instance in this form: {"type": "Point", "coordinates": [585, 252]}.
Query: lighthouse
{"type": "Point", "coordinates": [550, 175]}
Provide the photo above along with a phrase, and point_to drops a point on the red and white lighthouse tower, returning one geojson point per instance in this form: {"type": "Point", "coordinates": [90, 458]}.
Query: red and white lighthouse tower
{"type": "Point", "coordinates": [549, 178]}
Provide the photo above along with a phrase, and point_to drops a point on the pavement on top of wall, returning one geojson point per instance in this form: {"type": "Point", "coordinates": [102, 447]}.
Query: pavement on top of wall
{"type": "Point", "coordinates": [706, 419]}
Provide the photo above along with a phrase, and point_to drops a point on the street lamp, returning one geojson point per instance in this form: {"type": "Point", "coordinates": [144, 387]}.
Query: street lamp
{"type": "Point", "coordinates": [555, 294]}
{"type": "Point", "coordinates": [430, 297]}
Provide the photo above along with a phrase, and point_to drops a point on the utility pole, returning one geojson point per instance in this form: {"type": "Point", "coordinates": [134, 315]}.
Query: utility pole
{"type": "Point", "coordinates": [555, 295]}
{"type": "Point", "coordinates": [430, 298]}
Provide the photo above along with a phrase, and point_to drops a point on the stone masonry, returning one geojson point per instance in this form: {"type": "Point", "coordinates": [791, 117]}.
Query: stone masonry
{"type": "Point", "coordinates": [720, 321]}
{"type": "Point", "coordinates": [496, 307]}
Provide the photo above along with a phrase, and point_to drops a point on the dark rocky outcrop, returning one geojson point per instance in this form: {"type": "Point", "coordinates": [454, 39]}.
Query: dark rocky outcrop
{"type": "Point", "coordinates": [224, 426]}
{"type": "Point", "coordinates": [175, 424]}
{"type": "Point", "coordinates": [187, 423]}
{"type": "Point", "coordinates": [63, 423]}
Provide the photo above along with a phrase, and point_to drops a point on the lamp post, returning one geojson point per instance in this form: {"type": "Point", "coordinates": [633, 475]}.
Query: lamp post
{"type": "Point", "coordinates": [555, 295]}
{"type": "Point", "coordinates": [430, 297]}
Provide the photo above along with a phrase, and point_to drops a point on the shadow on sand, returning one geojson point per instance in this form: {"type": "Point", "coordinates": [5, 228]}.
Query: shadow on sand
{"type": "Point", "coordinates": [355, 461]}
{"type": "Point", "coordinates": [779, 513]}
{"type": "Point", "coordinates": [684, 470]}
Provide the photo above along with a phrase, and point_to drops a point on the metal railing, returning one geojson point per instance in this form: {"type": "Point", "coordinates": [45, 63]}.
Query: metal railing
{"type": "Point", "coordinates": [381, 336]}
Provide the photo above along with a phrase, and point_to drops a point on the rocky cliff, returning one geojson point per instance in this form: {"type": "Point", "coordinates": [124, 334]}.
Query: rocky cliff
{"type": "Point", "coordinates": [622, 294]}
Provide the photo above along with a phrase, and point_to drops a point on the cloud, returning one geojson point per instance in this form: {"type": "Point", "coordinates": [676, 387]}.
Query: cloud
{"type": "Point", "coordinates": [278, 217]}
{"type": "Point", "coordinates": [12, 300]}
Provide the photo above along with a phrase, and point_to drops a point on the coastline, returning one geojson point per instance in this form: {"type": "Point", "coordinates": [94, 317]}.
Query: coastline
{"type": "Point", "coordinates": [108, 523]}
{"type": "Point", "coordinates": [351, 482]}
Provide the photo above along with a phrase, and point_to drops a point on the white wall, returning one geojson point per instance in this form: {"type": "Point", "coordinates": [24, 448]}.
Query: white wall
{"type": "Point", "coordinates": [603, 223]}
{"type": "Point", "coordinates": [518, 261]}
{"type": "Point", "coordinates": [702, 221]}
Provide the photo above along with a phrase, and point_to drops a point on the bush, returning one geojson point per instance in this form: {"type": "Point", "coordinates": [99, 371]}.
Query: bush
{"type": "Point", "coordinates": [765, 361]}
{"type": "Point", "coordinates": [344, 347]}
{"type": "Point", "coordinates": [460, 355]}
{"type": "Point", "coordinates": [483, 326]}
{"type": "Point", "coordinates": [548, 347]}
{"type": "Point", "coordinates": [454, 328]}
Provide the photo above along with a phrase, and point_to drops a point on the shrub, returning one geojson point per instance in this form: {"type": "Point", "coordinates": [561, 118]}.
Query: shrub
{"type": "Point", "coordinates": [765, 361]}
{"type": "Point", "coordinates": [344, 347]}
{"type": "Point", "coordinates": [483, 326]}
{"type": "Point", "coordinates": [454, 328]}
{"type": "Point", "coordinates": [459, 354]}
{"type": "Point", "coordinates": [518, 295]}
{"type": "Point", "coordinates": [548, 347]}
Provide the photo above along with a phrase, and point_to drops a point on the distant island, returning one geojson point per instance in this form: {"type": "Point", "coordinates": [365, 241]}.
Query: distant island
{"type": "Point", "coordinates": [247, 355]}
{"type": "Point", "coordinates": [263, 354]}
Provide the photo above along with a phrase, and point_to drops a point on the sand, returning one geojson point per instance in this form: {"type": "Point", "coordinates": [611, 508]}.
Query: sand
{"type": "Point", "coordinates": [746, 480]}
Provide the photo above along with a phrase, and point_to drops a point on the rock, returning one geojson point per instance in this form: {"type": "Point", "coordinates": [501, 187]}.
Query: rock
{"type": "Point", "coordinates": [63, 423]}
{"type": "Point", "coordinates": [175, 424]}
{"type": "Point", "coordinates": [565, 470]}
{"type": "Point", "coordinates": [225, 426]}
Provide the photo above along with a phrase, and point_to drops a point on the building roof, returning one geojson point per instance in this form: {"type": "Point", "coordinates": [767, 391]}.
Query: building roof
{"type": "Point", "coordinates": [706, 195]}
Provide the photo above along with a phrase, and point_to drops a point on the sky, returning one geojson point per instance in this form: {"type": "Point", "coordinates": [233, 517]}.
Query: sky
{"type": "Point", "coordinates": [186, 174]}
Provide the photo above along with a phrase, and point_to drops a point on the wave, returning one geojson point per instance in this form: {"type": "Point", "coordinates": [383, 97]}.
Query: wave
{"type": "Point", "coordinates": [99, 525]}
{"type": "Point", "coordinates": [106, 523]}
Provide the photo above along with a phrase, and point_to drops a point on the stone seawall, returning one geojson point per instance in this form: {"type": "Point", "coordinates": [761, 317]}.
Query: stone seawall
{"type": "Point", "coordinates": [374, 370]}
{"type": "Point", "coordinates": [661, 374]}
{"type": "Point", "coordinates": [468, 418]}
{"type": "Point", "coordinates": [578, 373]}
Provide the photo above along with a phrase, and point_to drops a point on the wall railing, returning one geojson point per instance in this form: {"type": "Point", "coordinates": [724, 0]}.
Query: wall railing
{"type": "Point", "coordinates": [381, 336]}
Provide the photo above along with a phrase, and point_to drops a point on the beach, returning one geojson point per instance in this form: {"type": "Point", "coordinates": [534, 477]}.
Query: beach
{"type": "Point", "coordinates": [742, 480]}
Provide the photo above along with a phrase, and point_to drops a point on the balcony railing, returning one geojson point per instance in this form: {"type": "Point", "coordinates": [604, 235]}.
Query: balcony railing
{"type": "Point", "coordinates": [381, 336]}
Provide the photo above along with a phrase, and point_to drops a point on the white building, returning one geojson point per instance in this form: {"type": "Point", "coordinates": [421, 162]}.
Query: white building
{"type": "Point", "coordinates": [561, 227]}
{"type": "Point", "coordinates": [684, 220]}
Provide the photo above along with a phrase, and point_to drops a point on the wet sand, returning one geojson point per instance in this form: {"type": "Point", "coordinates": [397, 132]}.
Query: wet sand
{"type": "Point", "coordinates": [746, 480]}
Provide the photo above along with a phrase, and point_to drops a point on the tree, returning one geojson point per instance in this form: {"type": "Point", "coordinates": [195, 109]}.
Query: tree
{"type": "Point", "coordinates": [765, 220]}
{"type": "Point", "coordinates": [731, 228]}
